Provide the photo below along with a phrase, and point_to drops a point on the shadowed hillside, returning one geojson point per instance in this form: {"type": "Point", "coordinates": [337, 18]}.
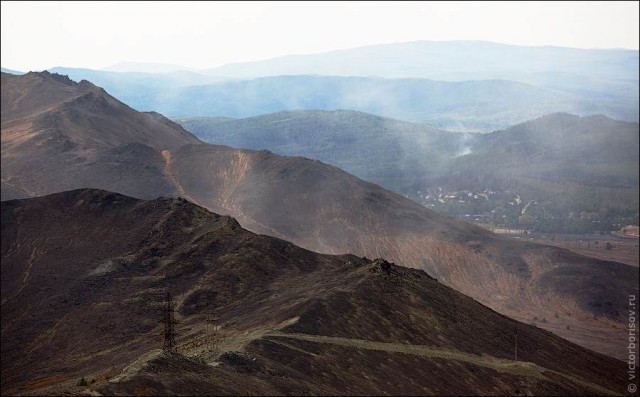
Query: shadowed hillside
{"type": "Point", "coordinates": [307, 202]}
{"type": "Point", "coordinates": [84, 274]}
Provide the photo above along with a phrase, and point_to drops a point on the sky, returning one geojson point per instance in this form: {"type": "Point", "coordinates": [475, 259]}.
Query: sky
{"type": "Point", "coordinates": [202, 35]}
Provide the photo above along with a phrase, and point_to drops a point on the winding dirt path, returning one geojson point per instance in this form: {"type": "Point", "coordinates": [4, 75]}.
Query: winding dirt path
{"type": "Point", "coordinates": [35, 254]}
{"type": "Point", "coordinates": [231, 341]}
{"type": "Point", "coordinates": [521, 368]}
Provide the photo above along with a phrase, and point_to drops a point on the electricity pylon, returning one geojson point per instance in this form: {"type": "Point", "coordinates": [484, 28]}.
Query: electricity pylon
{"type": "Point", "coordinates": [169, 325]}
{"type": "Point", "coordinates": [211, 332]}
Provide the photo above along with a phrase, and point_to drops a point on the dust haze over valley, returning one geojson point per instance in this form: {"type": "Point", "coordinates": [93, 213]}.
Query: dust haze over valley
{"type": "Point", "coordinates": [424, 215]}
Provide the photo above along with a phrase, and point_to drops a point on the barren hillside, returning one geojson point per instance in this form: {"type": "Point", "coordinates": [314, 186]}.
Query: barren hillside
{"type": "Point", "coordinates": [84, 274]}
{"type": "Point", "coordinates": [92, 140]}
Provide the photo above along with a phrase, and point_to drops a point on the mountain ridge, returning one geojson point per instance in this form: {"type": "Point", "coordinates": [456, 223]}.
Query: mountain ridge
{"type": "Point", "coordinates": [317, 207]}
{"type": "Point", "coordinates": [92, 268]}
{"type": "Point", "coordinates": [446, 105]}
{"type": "Point", "coordinates": [425, 164]}
{"type": "Point", "coordinates": [480, 54]}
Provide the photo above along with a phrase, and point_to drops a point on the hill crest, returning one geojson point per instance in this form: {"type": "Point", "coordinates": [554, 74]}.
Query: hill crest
{"type": "Point", "coordinates": [98, 265]}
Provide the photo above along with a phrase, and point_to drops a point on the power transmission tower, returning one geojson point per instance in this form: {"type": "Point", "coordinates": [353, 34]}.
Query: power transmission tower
{"type": "Point", "coordinates": [211, 331]}
{"type": "Point", "coordinates": [169, 325]}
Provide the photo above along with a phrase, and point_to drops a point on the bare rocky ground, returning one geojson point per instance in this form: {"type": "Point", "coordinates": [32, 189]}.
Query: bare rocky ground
{"type": "Point", "coordinates": [84, 275]}
{"type": "Point", "coordinates": [58, 135]}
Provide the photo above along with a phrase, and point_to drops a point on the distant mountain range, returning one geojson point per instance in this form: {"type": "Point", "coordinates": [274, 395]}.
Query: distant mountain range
{"type": "Point", "coordinates": [90, 269]}
{"type": "Point", "coordinates": [481, 105]}
{"type": "Point", "coordinates": [461, 85]}
{"type": "Point", "coordinates": [59, 135]}
{"type": "Point", "coordinates": [11, 71]}
{"type": "Point", "coordinates": [451, 61]}
{"type": "Point", "coordinates": [460, 106]}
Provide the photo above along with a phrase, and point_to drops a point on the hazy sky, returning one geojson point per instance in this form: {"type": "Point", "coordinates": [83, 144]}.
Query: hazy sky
{"type": "Point", "coordinates": [39, 35]}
